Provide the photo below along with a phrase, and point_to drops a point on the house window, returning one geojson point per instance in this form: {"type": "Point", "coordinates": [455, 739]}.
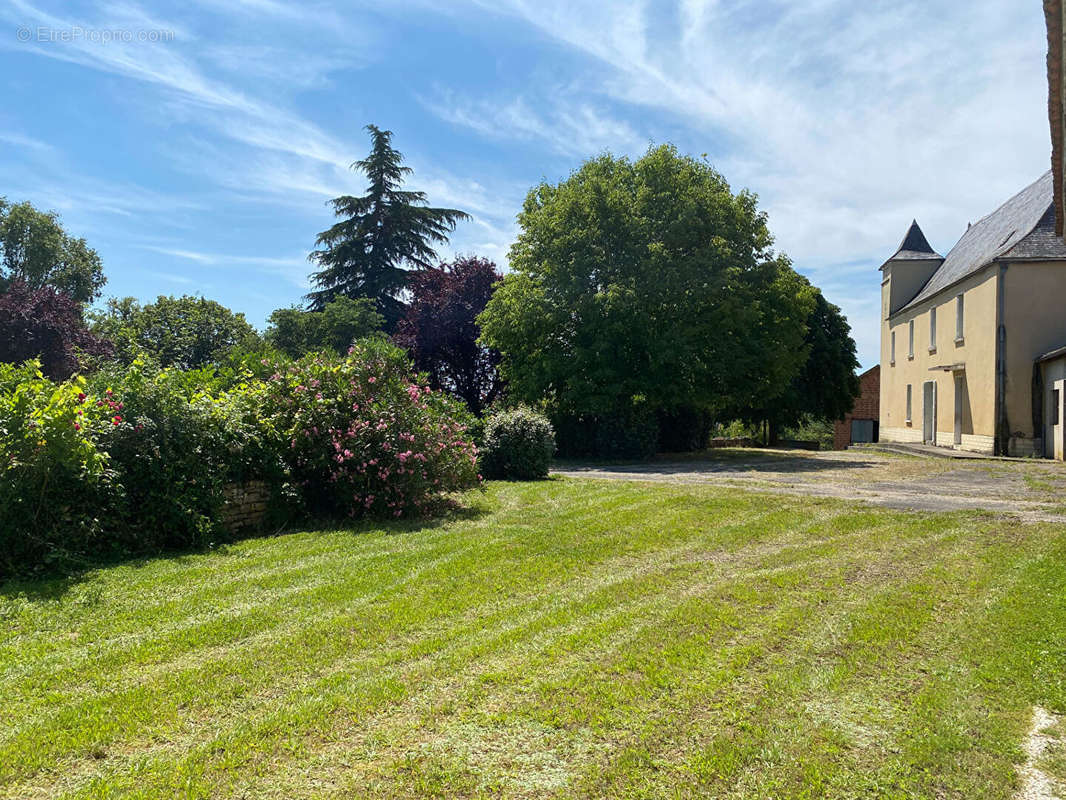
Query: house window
{"type": "Point", "coordinates": [910, 345]}
{"type": "Point", "coordinates": [1055, 407]}
{"type": "Point", "coordinates": [892, 353]}
{"type": "Point", "coordinates": [908, 403]}
{"type": "Point", "coordinates": [958, 319]}
{"type": "Point", "coordinates": [932, 330]}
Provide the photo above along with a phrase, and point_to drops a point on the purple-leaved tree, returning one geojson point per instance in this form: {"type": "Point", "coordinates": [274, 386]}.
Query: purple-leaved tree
{"type": "Point", "coordinates": [440, 330]}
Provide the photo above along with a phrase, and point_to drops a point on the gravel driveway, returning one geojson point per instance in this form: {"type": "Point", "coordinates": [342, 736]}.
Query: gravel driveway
{"type": "Point", "coordinates": [1032, 490]}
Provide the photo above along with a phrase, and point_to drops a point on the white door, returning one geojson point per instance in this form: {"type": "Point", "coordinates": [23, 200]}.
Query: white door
{"type": "Point", "coordinates": [929, 412]}
{"type": "Point", "coordinates": [960, 389]}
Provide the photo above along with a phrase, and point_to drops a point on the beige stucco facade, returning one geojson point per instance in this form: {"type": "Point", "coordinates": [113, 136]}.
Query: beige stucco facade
{"type": "Point", "coordinates": [1034, 323]}
{"type": "Point", "coordinates": [1020, 304]}
{"type": "Point", "coordinates": [962, 368]}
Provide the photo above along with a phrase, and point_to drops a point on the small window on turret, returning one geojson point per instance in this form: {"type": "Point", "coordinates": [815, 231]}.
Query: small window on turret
{"type": "Point", "coordinates": [892, 353]}
{"type": "Point", "coordinates": [910, 345]}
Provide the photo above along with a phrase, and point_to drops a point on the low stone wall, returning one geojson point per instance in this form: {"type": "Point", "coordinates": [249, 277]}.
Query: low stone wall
{"type": "Point", "coordinates": [245, 505]}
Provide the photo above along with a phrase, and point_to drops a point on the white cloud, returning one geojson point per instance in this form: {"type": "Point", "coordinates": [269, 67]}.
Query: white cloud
{"type": "Point", "coordinates": [848, 119]}
{"type": "Point", "coordinates": [294, 268]}
{"type": "Point", "coordinates": [568, 127]}
{"type": "Point", "coordinates": [25, 142]}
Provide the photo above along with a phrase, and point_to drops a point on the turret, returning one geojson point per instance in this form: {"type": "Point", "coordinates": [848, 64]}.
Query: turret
{"type": "Point", "coordinates": [909, 269]}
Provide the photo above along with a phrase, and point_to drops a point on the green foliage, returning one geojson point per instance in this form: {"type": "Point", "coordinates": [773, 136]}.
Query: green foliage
{"type": "Point", "coordinates": [342, 321]}
{"type": "Point", "coordinates": [135, 460]}
{"type": "Point", "coordinates": [35, 249]}
{"type": "Point", "coordinates": [811, 430]}
{"type": "Point", "coordinates": [185, 332]}
{"type": "Point", "coordinates": [178, 442]}
{"type": "Point", "coordinates": [826, 386]}
{"type": "Point", "coordinates": [363, 437]}
{"type": "Point", "coordinates": [646, 285]}
{"type": "Point", "coordinates": [53, 475]}
{"type": "Point", "coordinates": [518, 445]}
{"type": "Point", "coordinates": [683, 430]}
{"type": "Point", "coordinates": [629, 433]}
{"type": "Point", "coordinates": [132, 461]}
{"type": "Point", "coordinates": [379, 235]}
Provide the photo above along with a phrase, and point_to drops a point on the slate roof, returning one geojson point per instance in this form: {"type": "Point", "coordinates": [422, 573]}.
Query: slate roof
{"type": "Point", "coordinates": [1022, 228]}
{"type": "Point", "coordinates": [914, 247]}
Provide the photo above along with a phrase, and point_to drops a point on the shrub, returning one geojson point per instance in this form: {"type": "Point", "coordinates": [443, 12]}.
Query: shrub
{"type": "Point", "coordinates": [684, 429]}
{"type": "Point", "coordinates": [361, 436]}
{"type": "Point", "coordinates": [130, 462]}
{"type": "Point", "coordinates": [518, 445]}
{"type": "Point", "coordinates": [54, 478]}
{"type": "Point", "coordinates": [134, 461]}
{"type": "Point", "coordinates": [173, 446]}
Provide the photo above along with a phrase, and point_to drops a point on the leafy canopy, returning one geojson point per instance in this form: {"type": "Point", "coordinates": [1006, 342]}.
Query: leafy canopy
{"type": "Point", "coordinates": [187, 332]}
{"type": "Point", "coordinates": [379, 236]}
{"type": "Point", "coordinates": [826, 387]}
{"type": "Point", "coordinates": [45, 324]}
{"type": "Point", "coordinates": [440, 331]}
{"type": "Point", "coordinates": [36, 250]}
{"type": "Point", "coordinates": [335, 328]}
{"type": "Point", "coordinates": [646, 285]}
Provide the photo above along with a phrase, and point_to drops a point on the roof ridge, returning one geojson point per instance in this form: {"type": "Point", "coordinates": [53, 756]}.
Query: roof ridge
{"type": "Point", "coordinates": [1007, 202]}
{"type": "Point", "coordinates": [986, 241]}
{"type": "Point", "coordinates": [1039, 224]}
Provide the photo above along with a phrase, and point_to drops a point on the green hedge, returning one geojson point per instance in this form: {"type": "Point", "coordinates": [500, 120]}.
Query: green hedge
{"type": "Point", "coordinates": [133, 461]}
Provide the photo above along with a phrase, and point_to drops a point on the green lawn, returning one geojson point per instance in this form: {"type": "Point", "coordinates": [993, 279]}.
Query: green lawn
{"type": "Point", "coordinates": [572, 638]}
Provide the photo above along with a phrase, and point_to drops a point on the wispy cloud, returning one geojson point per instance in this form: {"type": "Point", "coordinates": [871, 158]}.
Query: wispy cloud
{"type": "Point", "coordinates": [25, 142]}
{"type": "Point", "coordinates": [568, 127]}
{"type": "Point", "coordinates": [293, 268]}
{"type": "Point", "coordinates": [848, 119]}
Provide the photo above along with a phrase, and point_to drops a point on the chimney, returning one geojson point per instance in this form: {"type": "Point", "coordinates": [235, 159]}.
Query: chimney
{"type": "Point", "coordinates": [1053, 13]}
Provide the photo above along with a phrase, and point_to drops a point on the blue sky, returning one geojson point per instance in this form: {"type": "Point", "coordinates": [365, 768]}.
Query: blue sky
{"type": "Point", "coordinates": [195, 150]}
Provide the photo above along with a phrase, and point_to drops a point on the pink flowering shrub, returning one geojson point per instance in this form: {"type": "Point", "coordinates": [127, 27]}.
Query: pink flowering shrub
{"type": "Point", "coordinates": [363, 435]}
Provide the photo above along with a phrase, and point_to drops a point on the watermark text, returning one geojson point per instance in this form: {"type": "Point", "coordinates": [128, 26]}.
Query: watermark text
{"type": "Point", "coordinates": [77, 33]}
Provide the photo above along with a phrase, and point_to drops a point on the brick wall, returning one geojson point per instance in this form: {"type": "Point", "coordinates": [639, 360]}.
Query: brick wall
{"type": "Point", "coordinates": [867, 406]}
{"type": "Point", "coordinates": [245, 506]}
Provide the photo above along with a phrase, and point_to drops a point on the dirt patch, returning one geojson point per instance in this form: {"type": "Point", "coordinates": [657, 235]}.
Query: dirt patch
{"type": "Point", "coordinates": [1036, 784]}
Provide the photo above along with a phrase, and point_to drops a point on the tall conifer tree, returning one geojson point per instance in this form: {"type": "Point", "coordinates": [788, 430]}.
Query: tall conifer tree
{"type": "Point", "coordinates": [379, 237]}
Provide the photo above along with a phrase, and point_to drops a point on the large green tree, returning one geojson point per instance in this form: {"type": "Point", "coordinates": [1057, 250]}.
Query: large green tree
{"type": "Point", "coordinates": [826, 386]}
{"type": "Point", "coordinates": [187, 331]}
{"type": "Point", "coordinates": [646, 287]}
{"type": "Point", "coordinates": [341, 322]}
{"type": "Point", "coordinates": [35, 250]}
{"type": "Point", "coordinates": [379, 236]}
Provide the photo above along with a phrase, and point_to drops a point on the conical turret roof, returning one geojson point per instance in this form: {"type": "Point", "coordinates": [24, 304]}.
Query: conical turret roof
{"type": "Point", "coordinates": [915, 246]}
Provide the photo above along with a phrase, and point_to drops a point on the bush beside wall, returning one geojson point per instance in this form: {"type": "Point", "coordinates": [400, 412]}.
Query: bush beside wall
{"type": "Point", "coordinates": [142, 460]}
